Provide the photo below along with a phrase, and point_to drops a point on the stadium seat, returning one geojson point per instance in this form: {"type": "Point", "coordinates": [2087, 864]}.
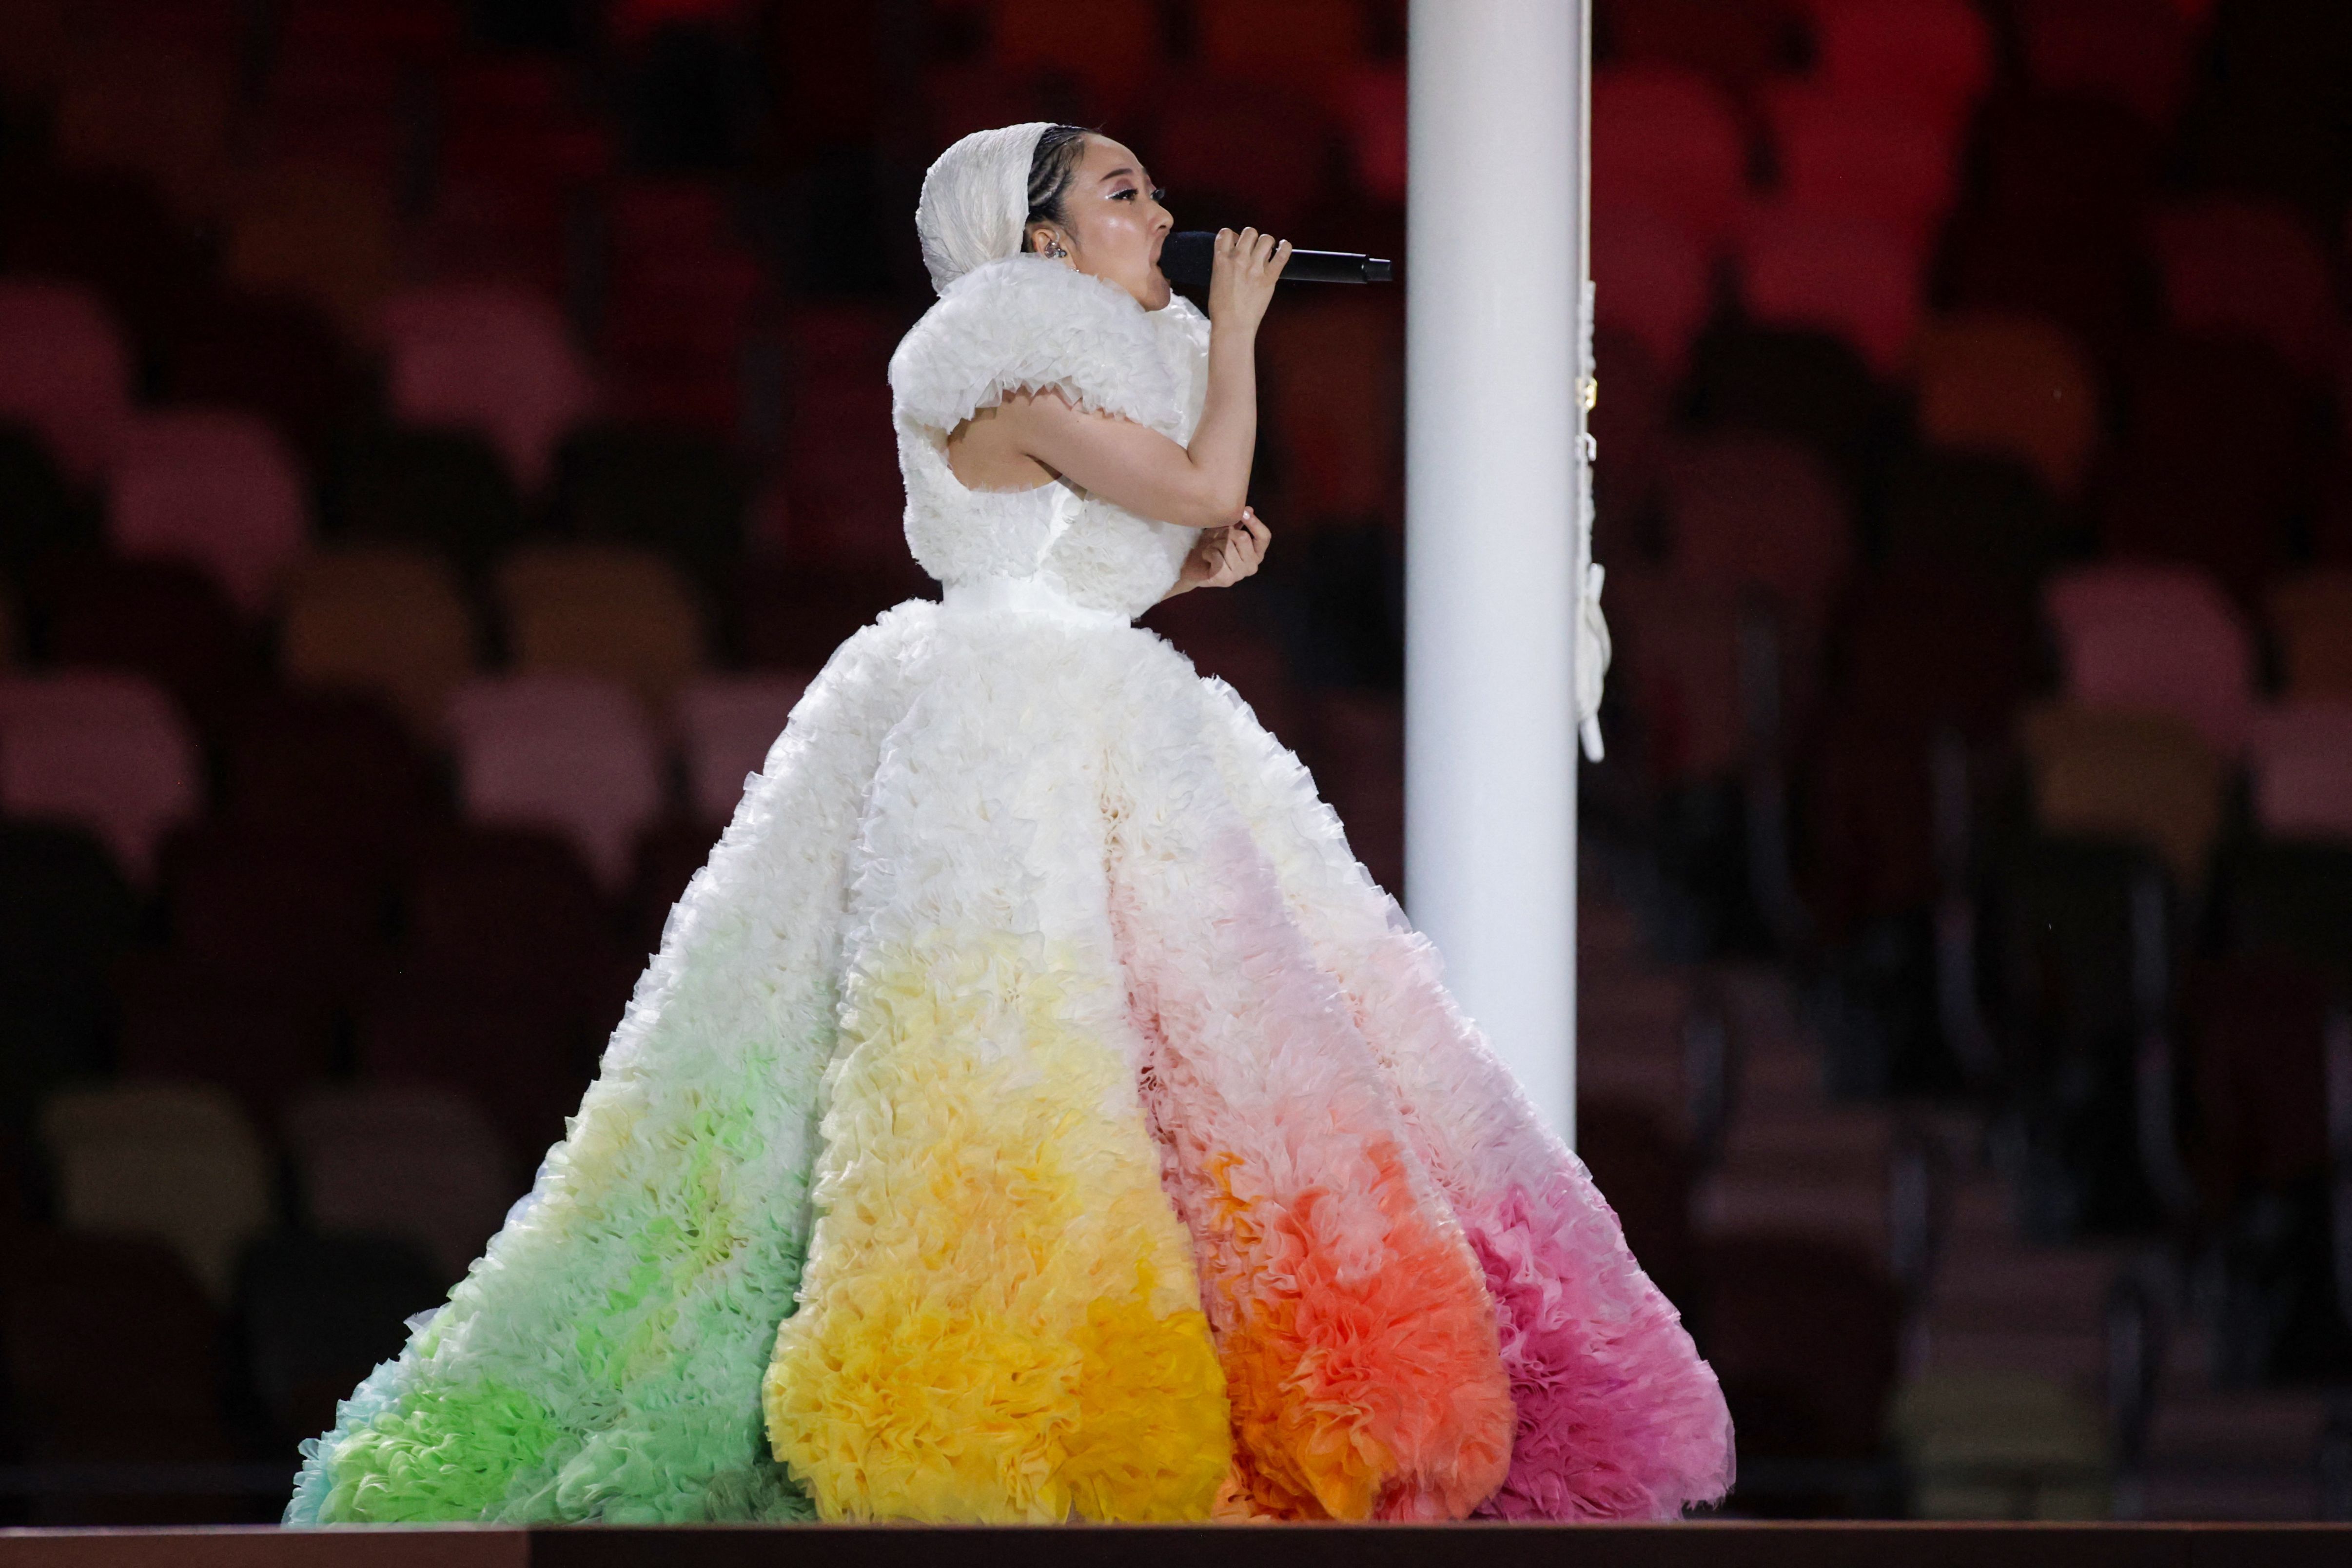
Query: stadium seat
{"type": "Point", "coordinates": [1990, 515]}
{"type": "Point", "coordinates": [726, 724]}
{"type": "Point", "coordinates": [45, 519]}
{"type": "Point", "coordinates": [162, 110]}
{"type": "Point", "coordinates": [496, 361]}
{"type": "Point", "coordinates": [1231, 152]}
{"type": "Point", "coordinates": [64, 370]}
{"type": "Point", "coordinates": [1767, 1304]}
{"type": "Point", "coordinates": [2311, 618]}
{"type": "Point", "coordinates": [570, 753]}
{"type": "Point", "coordinates": [514, 908]}
{"type": "Point", "coordinates": [216, 488]}
{"type": "Point", "coordinates": [1854, 278]}
{"type": "Point", "coordinates": [113, 1353]}
{"type": "Point", "coordinates": [2145, 778]}
{"type": "Point", "coordinates": [443, 490]}
{"type": "Point", "coordinates": [261, 1039]}
{"type": "Point", "coordinates": [2055, 228]}
{"type": "Point", "coordinates": [1678, 658]}
{"type": "Point", "coordinates": [2160, 505]}
{"type": "Point", "coordinates": [842, 454]}
{"type": "Point", "coordinates": [1372, 110]}
{"type": "Point", "coordinates": [421, 1164]}
{"type": "Point", "coordinates": [167, 621]}
{"type": "Point", "coordinates": [331, 769]}
{"type": "Point", "coordinates": [1746, 509]}
{"type": "Point", "coordinates": [2010, 386]}
{"type": "Point", "coordinates": [522, 1058]}
{"type": "Point", "coordinates": [1928, 651]}
{"type": "Point", "coordinates": [1985, 1443]}
{"type": "Point", "coordinates": [1936, 640]}
{"type": "Point", "coordinates": [789, 613]}
{"type": "Point", "coordinates": [2255, 1028]}
{"type": "Point", "coordinates": [1111, 50]}
{"type": "Point", "coordinates": [514, 118]}
{"type": "Point", "coordinates": [682, 494]}
{"type": "Point", "coordinates": [1651, 280]}
{"type": "Point", "coordinates": [1811, 386]}
{"type": "Point", "coordinates": [318, 1312]}
{"type": "Point", "coordinates": [267, 911]}
{"type": "Point", "coordinates": [1331, 377]}
{"type": "Point", "coordinates": [2136, 53]}
{"type": "Point", "coordinates": [318, 230]}
{"type": "Point", "coordinates": [2300, 755]}
{"type": "Point", "coordinates": [505, 227]}
{"type": "Point", "coordinates": [2218, 463]}
{"type": "Point", "coordinates": [673, 336]}
{"type": "Point", "coordinates": [1630, 425]}
{"type": "Point", "coordinates": [275, 355]}
{"type": "Point", "coordinates": [2233, 265]}
{"type": "Point", "coordinates": [2083, 928]}
{"type": "Point", "coordinates": [106, 751]}
{"type": "Point", "coordinates": [1667, 141]}
{"type": "Point", "coordinates": [2250, 127]}
{"type": "Point", "coordinates": [109, 230]}
{"type": "Point", "coordinates": [2232, 414]}
{"type": "Point", "coordinates": [2256, 1035]}
{"type": "Point", "coordinates": [66, 918]}
{"type": "Point", "coordinates": [1738, 43]}
{"type": "Point", "coordinates": [387, 621]}
{"type": "Point", "coordinates": [1301, 42]}
{"type": "Point", "coordinates": [179, 1163]}
{"type": "Point", "coordinates": [2155, 638]}
{"type": "Point", "coordinates": [1870, 159]}
{"type": "Point", "coordinates": [2292, 900]}
{"type": "Point", "coordinates": [1934, 57]}
{"type": "Point", "coordinates": [615, 612]}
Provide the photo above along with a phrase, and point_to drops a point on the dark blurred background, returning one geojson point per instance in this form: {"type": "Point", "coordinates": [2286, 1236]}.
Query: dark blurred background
{"type": "Point", "coordinates": [437, 442]}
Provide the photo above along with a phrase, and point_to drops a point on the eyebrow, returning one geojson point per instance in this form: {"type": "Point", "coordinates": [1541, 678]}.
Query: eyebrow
{"type": "Point", "coordinates": [1115, 174]}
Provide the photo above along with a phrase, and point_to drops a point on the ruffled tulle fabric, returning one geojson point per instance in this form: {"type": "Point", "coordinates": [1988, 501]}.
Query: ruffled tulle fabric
{"type": "Point", "coordinates": [1000, 1319]}
{"type": "Point", "coordinates": [1035, 1112]}
{"type": "Point", "coordinates": [601, 1360]}
{"type": "Point", "coordinates": [1617, 1416]}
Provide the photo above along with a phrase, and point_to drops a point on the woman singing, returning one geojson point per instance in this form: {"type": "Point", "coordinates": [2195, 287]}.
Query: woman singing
{"type": "Point", "coordinates": [1035, 1111]}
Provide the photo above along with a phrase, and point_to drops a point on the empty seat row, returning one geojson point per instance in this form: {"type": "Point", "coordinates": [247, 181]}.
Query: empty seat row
{"type": "Point", "coordinates": [576, 754]}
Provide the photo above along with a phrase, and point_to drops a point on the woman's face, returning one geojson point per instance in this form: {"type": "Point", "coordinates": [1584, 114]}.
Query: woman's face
{"type": "Point", "coordinates": [1113, 222]}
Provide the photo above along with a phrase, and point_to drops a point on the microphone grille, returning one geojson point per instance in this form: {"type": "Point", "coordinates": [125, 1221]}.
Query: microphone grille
{"type": "Point", "coordinates": [1187, 256]}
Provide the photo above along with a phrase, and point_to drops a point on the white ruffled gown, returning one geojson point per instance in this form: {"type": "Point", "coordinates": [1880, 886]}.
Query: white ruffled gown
{"type": "Point", "coordinates": [1035, 1111]}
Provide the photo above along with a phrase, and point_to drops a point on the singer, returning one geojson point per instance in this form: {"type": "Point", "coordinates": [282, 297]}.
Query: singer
{"type": "Point", "coordinates": [1035, 1111]}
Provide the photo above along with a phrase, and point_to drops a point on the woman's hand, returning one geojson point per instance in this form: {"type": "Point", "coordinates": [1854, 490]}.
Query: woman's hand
{"type": "Point", "coordinates": [1241, 275]}
{"type": "Point", "coordinates": [1222, 557]}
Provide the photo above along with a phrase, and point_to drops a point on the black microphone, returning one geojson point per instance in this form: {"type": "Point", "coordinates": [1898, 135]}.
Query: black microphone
{"type": "Point", "coordinates": [1186, 257]}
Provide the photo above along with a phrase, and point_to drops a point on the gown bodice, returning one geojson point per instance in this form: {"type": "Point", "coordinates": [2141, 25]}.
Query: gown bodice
{"type": "Point", "coordinates": [1026, 323]}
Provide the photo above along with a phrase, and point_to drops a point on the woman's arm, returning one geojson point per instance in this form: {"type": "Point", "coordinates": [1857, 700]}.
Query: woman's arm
{"type": "Point", "coordinates": [1205, 484]}
{"type": "Point", "coordinates": [1221, 557]}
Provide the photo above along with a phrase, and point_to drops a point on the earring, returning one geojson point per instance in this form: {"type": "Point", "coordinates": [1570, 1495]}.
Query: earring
{"type": "Point", "coordinates": [1053, 249]}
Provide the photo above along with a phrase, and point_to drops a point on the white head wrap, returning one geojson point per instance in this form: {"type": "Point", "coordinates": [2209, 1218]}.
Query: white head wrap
{"type": "Point", "coordinates": [975, 195]}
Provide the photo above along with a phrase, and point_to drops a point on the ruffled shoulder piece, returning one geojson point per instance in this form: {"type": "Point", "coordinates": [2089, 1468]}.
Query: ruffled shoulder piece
{"type": "Point", "coordinates": [1023, 324]}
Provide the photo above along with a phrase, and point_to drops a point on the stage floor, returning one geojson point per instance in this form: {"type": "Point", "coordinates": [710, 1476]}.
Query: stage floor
{"type": "Point", "coordinates": [1697, 1545]}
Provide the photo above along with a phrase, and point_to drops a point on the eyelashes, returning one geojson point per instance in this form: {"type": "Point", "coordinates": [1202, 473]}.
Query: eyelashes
{"type": "Point", "coordinates": [1158, 195]}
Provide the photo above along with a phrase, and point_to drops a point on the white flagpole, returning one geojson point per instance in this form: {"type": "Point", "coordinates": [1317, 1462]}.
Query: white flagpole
{"type": "Point", "coordinates": [1495, 270]}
